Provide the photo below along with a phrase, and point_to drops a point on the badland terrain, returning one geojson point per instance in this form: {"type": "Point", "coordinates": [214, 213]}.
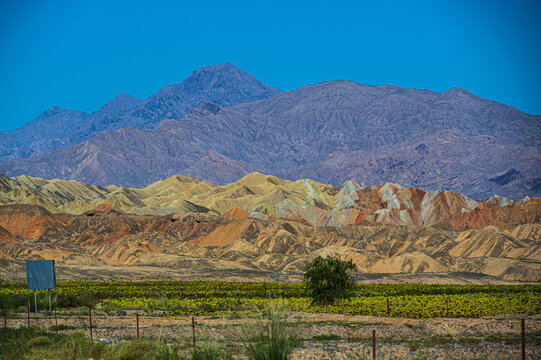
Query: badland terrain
{"type": "Point", "coordinates": [405, 181]}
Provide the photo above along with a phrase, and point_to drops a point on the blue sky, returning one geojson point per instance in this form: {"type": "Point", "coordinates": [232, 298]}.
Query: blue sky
{"type": "Point", "coordinates": [80, 54]}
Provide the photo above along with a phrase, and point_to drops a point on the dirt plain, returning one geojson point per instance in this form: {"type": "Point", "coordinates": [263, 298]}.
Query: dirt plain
{"type": "Point", "coordinates": [322, 336]}
{"type": "Point", "coordinates": [12, 270]}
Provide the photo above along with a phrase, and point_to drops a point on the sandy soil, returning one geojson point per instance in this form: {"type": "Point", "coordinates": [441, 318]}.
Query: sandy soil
{"type": "Point", "coordinates": [15, 271]}
{"type": "Point", "coordinates": [326, 336]}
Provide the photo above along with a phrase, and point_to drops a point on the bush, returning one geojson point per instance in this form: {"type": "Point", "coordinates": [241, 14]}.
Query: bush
{"type": "Point", "coordinates": [32, 343]}
{"type": "Point", "coordinates": [39, 341]}
{"type": "Point", "coordinates": [61, 327]}
{"type": "Point", "coordinates": [211, 353]}
{"type": "Point", "coordinates": [76, 345]}
{"type": "Point", "coordinates": [326, 337]}
{"type": "Point", "coordinates": [141, 350]}
{"type": "Point", "coordinates": [269, 338]}
{"type": "Point", "coordinates": [329, 277]}
{"type": "Point", "coordinates": [14, 341]}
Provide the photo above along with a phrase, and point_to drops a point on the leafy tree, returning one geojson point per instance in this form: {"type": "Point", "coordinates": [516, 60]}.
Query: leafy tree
{"type": "Point", "coordinates": [329, 277]}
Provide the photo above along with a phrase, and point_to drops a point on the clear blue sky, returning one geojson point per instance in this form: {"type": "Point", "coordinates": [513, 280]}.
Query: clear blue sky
{"type": "Point", "coordinates": [80, 54]}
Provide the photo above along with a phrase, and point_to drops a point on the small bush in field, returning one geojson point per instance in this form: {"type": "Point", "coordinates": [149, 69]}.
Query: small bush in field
{"type": "Point", "coordinates": [329, 277]}
{"type": "Point", "coordinates": [270, 338]}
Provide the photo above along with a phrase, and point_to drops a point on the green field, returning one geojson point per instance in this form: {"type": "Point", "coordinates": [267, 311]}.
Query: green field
{"type": "Point", "coordinates": [174, 298]}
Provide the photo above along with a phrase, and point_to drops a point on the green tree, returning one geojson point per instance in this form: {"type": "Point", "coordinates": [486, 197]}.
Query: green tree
{"type": "Point", "coordinates": [331, 277]}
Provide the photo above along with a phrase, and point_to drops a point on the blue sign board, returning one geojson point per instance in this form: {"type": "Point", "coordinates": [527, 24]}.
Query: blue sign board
{"type": "Point", "coordinates": [40, 274]}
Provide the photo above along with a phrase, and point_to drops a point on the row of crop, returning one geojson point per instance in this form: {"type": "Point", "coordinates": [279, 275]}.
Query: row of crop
{"type": "Point", "coordinates": [410, 306]}
{"type": "Point", "coordinates": [423, 306]}
{"type": "Point", "coordinates": [100, 290]}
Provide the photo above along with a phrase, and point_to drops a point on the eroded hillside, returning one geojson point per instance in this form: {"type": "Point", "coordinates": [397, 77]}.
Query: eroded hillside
{"type": "Point", "coordinates": [269, 197]}
{"type": "Point", "coordinates": [107, 236]}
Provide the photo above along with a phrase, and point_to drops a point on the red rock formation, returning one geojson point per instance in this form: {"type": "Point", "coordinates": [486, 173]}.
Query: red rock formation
{"type": "Point", "coordinates": [7, 240]}
{"type": "Point", "coordinates": [507, 217]}
{"type": "Point", "coordinates": [236, 213]}
{"type": "Point", "coordinates": [202, 240]}
{"type": "Point", "coordinates": [104, 207]}
{"type": "Point", "coordinates": [479, 218]}
{"type": "Point", "coordinates": [27, 221]}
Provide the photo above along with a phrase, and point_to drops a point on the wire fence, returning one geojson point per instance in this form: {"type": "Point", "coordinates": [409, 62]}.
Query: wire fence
{"type": "Point", "coordinates": [135, 326]}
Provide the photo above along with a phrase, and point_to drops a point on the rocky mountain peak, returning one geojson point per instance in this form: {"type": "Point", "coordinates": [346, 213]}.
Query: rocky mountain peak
{"type": "Point", "coordinates": [53, 111]}
{"type": "Point", "coordinates": [225, 79]}
{"type": "Point", "coordinates": [457, 91]}
{"type": "Point", "coordinates": [224, 85]}
{"type": "Point", "coordinates": [121, 103]}
{"type": "Point", "coordinates": [218, 68]}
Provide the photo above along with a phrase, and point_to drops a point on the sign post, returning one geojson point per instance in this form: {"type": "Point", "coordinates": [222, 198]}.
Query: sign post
{"type": "Point", "coordinates": [40, 275]}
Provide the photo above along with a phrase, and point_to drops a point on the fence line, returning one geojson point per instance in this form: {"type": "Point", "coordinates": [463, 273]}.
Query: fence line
{"type": "Point", "coordinates": [193, 326]}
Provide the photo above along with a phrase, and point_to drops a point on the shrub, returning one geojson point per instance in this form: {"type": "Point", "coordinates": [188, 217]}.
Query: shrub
{"type": "Point", "coordinates": [61, 327]}
{"type": "Point", "coordinates": [140, 350]}
{"type": "Point", "coordinates": [269, 338]}
{"type": "Point", "coordinates": [14, 342]}
{"type": "Point", "coordinates": [211, 353]}
{"type": "Point", "coordinates": [76, 345]}
{"type": "Point", "coordinates": [329, 277]}
{"type": "Point", "coordinates": [39, 341]}
{"type": "Point", "coordinates": [326, 337]}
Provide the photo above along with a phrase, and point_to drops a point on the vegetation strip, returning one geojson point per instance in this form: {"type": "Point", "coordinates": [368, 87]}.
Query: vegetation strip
{"type": "Point", "coordinates": [175, 298]}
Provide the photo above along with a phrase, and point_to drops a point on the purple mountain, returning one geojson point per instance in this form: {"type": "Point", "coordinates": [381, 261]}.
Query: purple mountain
{"type": "Point", "coordinates": [331, 132]}
{"type": "Point", "coordinates": [56, 128]}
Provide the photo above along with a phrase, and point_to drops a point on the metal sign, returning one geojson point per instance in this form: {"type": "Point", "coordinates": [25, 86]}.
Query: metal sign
{"type": "Point", "coordinates": [40, 275]}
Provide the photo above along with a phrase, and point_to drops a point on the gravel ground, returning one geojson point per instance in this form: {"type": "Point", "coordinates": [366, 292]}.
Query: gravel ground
{"type": "Point", "coordinates": [328, 336]}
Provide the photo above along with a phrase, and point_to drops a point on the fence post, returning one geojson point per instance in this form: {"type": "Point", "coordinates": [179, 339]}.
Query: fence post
{"type": "Point", "coordinates": [90, 320]}
{"type": "Point", "coordinates": [55, 321]}
{"type": "Point", "coordinates": [374, 344]}
{"type": "Point", "coordinates": [193, 334]}
{"type": "Point", "coordinates": [137, 320]}
{"type": "Point", "coordinates": [36, 301]}
{"type": "Point", "coordinates": [523, 335]}
{"type": "Point", "coordinates": [388, 308]}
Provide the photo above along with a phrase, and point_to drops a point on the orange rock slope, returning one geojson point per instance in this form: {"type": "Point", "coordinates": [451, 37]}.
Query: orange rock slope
{"type": "Point", "coordinates": [236, 213]}
{"type": "Point", "coordinates": [209, 242]}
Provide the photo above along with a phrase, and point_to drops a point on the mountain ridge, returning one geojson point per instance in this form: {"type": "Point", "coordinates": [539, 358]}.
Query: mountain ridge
{"type": "Point", "coordinates": [268, 197]}
{"type": "Point", "coordinates": [332, 132]}
{"type": "Point", "coordinates": [203, 242]}
{"type": "Point", "coordinates": [265, 224]}
{"type": "Point", "coordinates": [57, 127]}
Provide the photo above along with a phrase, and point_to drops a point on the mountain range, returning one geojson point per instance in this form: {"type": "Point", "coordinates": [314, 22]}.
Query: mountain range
{"type": "Point", "coordinates": [108, 243]}
{"type": "Point", "coordinates": [331, 132]}
{"type": "Point", "coordinates": [263, 225]}
{"type": "Point", "coordinates": [268, 197]}
{"type": "Point", "coordinates": [56, 128]}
